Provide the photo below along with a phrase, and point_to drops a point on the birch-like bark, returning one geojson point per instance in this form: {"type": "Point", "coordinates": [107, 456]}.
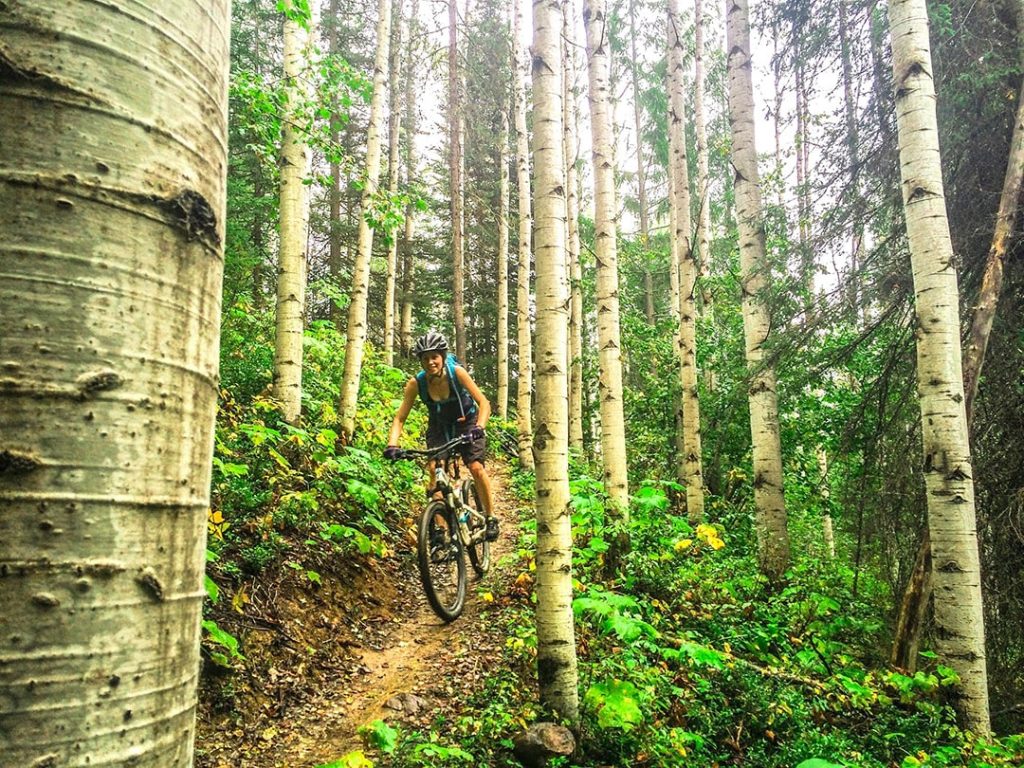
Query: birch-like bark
{"type": "Point", "coordinates": [394, 128]}
{"type": "Point", "coordinates": [703, 195]}
{"type": "Point", "coordinates": [956, 573]}
{"type": "Point", "coordinates": [455, 132]}
{"type": "Point", "coordinates": [408, 264]}
{"type": "Point", "coordinates": [294, 213]}
{"type": "Point", "coordinates": [112, 208]}
{"type": "Point", "coordinates": [556, 640]}
{"type": "Point", "coordinates": [334, 193]}
{"type": "Point", "coordinates": [524, 341]}
{"type": "Point", "coordinates": [641, 165]}
{"type": "Point", "coordinates": [571, 149]}
{"type": "Point", "coordinates": [853, 147]}
{"type": "Point", "coordinates": [503, 204]}
{"type": "Point", "coordinates": [773, 538]}
{"type": "Point", "coordinates": [361, 271]}
{"type": "Point", "coordinates": [689, 416]}
{"type": "Point", "coordinates": [613, 429]}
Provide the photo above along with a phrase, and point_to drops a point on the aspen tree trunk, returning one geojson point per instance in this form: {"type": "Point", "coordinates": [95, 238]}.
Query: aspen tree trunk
{"type": "Point", "coordinates": [112, 207]}
{"type": "Point", "coordinates": [556, 637]}
{"type": "Point", "coordinates": [408, 265]}
{"type": "Point", "coordinates": [361, 271]}
{"type": "Point", "coordinates": [524, 342]}
{"type": "Point", "coordinates": [703, 195]}
{"type": "Point", "coordinates": [777, 115]}
{"type": "Point", "coordinates": [334, 194]}
{"type": "Point", "coordinates": [394, 128]}
{"type": "Point", "coordinates": [613, 429]}
{"type": "Point", "coordinates": [960, 635]}
{"type": "Point", "coordinates": [503, 263]}
{"type": "Point", "coordinates": [455, 177]}
{"type": "Point", "coordinates": [294, 208]}
{"type": "Point", "coordinates": [570, 146]}
{"type": "Point", "coordinates": [689, 417]}
{"type": "Point", "coordinates": [641, 167]}
{"type": "Point", "coordinates": [827, 533]}
{"type": "Point", "coordinates": [773, 538]}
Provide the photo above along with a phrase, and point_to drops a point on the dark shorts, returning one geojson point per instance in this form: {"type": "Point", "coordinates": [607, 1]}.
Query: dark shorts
{"type": "Point", "coordinates": [473, 451]}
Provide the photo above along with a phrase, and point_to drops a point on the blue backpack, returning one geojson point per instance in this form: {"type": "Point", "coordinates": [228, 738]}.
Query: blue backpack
{"type": "Point", "coordinates": [459, 394]}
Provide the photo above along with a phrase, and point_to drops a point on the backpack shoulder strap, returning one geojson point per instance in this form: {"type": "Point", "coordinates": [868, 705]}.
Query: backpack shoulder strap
{"type": "Point", "coordinates": [421, 383]}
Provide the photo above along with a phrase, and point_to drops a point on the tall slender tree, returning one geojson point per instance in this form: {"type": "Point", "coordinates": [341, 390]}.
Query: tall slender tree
{"type": "Point", "coordinates": [641, 163]}
{"type": "Point", "coordinates": [361, 271]}
{"type": "Point", "coordinates": [556, 637]}
{"type": "Point", "coordinates": [294, 207]}
{"type": "Point", "coordinates": [773, 537]}
{"type": "Point", "coordinates": [455, 175]}
{"type": "Point", "coordinates": [703, 235]}
{"type": "Point", "coordinates": [332, 24]}
{"type": "Point", "coordinates": [956, 576]}
{"type": "Point", "coordinates": [682, 243]}
{"type": "Point", "coordinates": [570, 146]}
{"type": "Point", "coordinates": [613, 428]}
{"type": "Point", "coordinates": [524, 341]}
{"type": "Point", "coordinates": [114, 133]}
{"type": "Point", "coordinates": [394, 128]}
{"type": "Point", "coordinates": [503, 206]}
{"type": "Point", "coordinates": [409, 230]}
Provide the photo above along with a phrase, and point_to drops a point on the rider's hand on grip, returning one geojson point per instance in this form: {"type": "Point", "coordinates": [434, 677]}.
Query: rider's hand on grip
{"type": "Point", "coordinates": [392, 452]}
{"type": "Point", "coordinates": [476, 433]}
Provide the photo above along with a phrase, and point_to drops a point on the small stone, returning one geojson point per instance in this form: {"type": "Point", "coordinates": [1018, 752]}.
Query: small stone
{"type": "Point", "coordinates": [542, 741]}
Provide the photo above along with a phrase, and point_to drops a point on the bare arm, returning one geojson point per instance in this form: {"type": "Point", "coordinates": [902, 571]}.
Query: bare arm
{"type": "Point", "coordinates": [482, 403]}
{"type": "Point", "coordinates": [408, 401]}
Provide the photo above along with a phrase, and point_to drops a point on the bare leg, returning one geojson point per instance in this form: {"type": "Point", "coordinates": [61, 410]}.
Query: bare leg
{"type": "Point", "coordinates": [431, 491]}
{"type": "Point", "coordinates": [483, 482]}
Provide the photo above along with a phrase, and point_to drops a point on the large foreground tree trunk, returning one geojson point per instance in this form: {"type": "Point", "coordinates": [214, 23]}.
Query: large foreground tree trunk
{"type": "Point", "coordinates": [356, 339]}
{"type": "Point", "coordinates": [773, 538]}
{"type": "Point", "coordinates": [112, 205]}
{"type": "Point", "coordinates": [524, 342]}
{"type": "Point", "coordinates": [294, 207]}
{"type": "Point", "coordinates": [556, 641]}
{"type": "Point", "coordinates": [956, 574]}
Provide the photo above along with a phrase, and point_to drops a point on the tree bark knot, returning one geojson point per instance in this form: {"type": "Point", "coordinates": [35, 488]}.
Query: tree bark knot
{"type": "Point", "coordinates": [951, 567]}
{"type": "Point", "coordinates": [18, 463]}
{"type": "Point", "coordinates": [195, 215]}
{"type": "Point", "coordinates": [151, 583]}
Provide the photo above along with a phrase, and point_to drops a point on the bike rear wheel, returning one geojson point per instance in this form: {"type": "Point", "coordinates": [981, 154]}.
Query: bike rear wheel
{"type": "Point", "coordinates": [480, 551]}
{"type": "Point", "coordinates": [442, 565]}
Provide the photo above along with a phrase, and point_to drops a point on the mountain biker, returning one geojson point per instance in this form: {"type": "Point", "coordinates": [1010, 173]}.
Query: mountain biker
{"type": "Point", "coordinates": [456, 407]}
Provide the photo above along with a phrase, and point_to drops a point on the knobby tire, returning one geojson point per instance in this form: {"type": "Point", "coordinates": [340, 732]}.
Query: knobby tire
{"type": "Point", "coordinates": [438, 561]}
{"type": "Point", "coordinates": [480, 552]}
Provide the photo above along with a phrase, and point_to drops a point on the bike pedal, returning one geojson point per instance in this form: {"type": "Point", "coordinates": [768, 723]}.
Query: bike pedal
{"type": "Point", "coordinates": [492, 529]}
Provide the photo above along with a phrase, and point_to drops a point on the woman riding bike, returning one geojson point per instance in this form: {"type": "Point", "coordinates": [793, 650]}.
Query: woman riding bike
{"type": "Point", "coordinates": [456, 407]}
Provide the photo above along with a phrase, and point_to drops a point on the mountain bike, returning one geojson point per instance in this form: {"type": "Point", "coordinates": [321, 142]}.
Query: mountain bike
{"type": "Point", "coordinates": [448, 527]}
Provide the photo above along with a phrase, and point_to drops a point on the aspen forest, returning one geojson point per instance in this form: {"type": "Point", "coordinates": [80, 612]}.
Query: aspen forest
{"type": "Point", "coordinates": [741, 285]}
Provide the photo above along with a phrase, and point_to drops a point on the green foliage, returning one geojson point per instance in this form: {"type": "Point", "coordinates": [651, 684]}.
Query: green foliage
{"type": "Point", "coordinates": [216, 641]}
{"type": "Point", "coordinates": [380, 736]}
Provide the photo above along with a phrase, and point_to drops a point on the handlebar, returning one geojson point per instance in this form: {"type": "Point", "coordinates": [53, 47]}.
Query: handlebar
{"type": "Point", "coordinates": [433, 453]}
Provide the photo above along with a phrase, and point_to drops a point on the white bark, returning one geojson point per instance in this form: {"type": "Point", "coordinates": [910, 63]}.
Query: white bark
{"type": "Point", "coordinates": [294, 213]}
{"type": "Point", "coordinates": [394, 128]}
{"type": "Point", "coordinates": [556, 644]}
{"type": "Point", "coordinates": [960, 629]}
{"type": "Point", "coordinates": [408, 264]}
{"type": "Point", "coordinates": [361, 270]}
{"type": "Point", "coordinates": [571, 149]}
{"type": "Point", "coordinates": [503, 192]}
{"type": "Point", "coordinates": [690, 458]}
{"type": "Point", "coordinates": [112, 206]}
{"type": "Point", "coordinates": [703, 195]}
{"type": "Point", "coordinates": [524, 391]}
{"type": "Point", "coordinates": [613, 429]}
{"type": "Point", "coordinates": [773, 538]}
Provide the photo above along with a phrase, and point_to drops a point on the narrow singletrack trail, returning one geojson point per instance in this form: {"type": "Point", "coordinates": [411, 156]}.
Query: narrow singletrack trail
{"type": "Point", "coordinates": [421, 667]}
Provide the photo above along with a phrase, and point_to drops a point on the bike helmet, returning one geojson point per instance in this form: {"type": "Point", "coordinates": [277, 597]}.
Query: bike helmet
{"type": "Point", "coordinates": [431, 341]}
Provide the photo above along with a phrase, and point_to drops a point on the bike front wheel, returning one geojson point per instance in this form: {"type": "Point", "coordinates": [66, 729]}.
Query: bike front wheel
{"type": "Point", "coordinates": [442, 565]}
{"type": "Point", "coordinates": [480, 548]}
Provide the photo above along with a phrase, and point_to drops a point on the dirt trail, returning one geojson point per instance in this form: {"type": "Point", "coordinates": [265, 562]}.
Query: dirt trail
{"type": "Point", "coordinates": [422, 666]}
